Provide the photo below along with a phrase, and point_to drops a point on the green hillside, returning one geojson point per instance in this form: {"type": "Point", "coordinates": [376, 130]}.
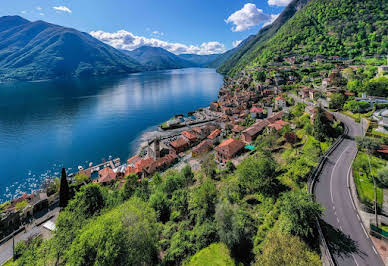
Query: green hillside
{"type": "Point", "coordinates": [40, 50]}
{"type": "Point", "coordinates": [345, 28]}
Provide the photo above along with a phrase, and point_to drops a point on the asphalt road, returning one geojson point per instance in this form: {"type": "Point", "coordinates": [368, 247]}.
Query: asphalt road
{"type": "Point", "coordinates": [347, 238]}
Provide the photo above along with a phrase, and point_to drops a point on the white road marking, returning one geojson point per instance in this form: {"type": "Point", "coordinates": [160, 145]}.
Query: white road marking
{"type": "Point", "coordinates": [333, 207]}
{"type": "Point", "coordinates": [363, 228]}
{"type": "Point", "coordinates": [354, 258]}
{"type": "Point", "coordinates": [331, 177]}
{"type": "Point", "coordinates": [358, 217]}
{"type": "Point", "coordinates": [374, 249]}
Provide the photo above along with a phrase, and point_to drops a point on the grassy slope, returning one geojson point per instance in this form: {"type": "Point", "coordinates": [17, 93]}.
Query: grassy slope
{"type": "Point", "coordinates": [216, 254]}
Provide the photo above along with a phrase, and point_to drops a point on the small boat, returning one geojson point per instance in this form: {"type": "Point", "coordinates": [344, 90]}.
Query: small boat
{"type": "Point", "coordinates": [80, 168]}
{"type": "Point", "coordinates": [90, 164]}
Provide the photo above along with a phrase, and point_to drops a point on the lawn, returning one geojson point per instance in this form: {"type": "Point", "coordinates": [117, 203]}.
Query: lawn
{"type": "Point", "coordinates": [381, 134]}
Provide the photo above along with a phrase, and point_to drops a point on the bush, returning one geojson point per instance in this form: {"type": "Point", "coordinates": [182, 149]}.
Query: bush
{"type": "Point", "coordinates": [382, 176]}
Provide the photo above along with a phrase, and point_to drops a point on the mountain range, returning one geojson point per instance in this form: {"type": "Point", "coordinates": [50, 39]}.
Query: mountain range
{"type": "Point", "coordinates": [40, 50]}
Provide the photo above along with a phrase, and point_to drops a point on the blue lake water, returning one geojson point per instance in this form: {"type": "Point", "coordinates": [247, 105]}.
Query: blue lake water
{"type": "Point", "coordinates": [47, 125]}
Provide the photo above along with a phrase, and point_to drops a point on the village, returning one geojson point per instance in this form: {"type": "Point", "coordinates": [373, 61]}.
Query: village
{"type": "Point", "coordinates": [255, 103]}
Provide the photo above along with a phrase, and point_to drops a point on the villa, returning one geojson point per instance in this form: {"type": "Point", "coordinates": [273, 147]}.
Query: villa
{"type": "Point", "coordinates": [229, 149]}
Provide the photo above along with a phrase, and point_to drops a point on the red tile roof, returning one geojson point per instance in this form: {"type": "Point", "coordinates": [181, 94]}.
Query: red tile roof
{"type": "Point", "coordinates": [238, 128]}
{"type": "Point", "coordinates": [256, 128]}
{"type": "Point", "coordinates": [190, 136]}
{"type": "Point", "coordinates": [178, 143]}
{"type": "Point", "coordinates": [133, 160]}
{"type": "Point", "coordinates": [204, 146]}
{"type": "Point", "coordinates": [106, 175]}
{"type": "Point", "coordinates": [256, 110]}
{"type": "Point", "coordinates": [230, 147]}
{"type": "Point", "coordinates": [280, 98]}
{"type": "Point", "coordinates": [214, 134]}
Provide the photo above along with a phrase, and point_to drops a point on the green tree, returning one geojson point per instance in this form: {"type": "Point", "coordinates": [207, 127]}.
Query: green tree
{"type": "Point", "coordinates": [382, 176]}
{"type": "Point", "coordinates": [256, 173]}
{"type": "Point", "coordinates": [322, 128]}
{"type": "Point", "coordinates": [337, 101]}
{"type": "Point", "coordinates": [209, 166]}
{"type": "Point", "coordinates": [202, 201]}
{"type": "Point", "coordinates": [299, 213]}
{"type": "Point", "coordinates": [63, 190]}
{"type": "Point", "coordinates": [281, 248]}
{"type": "Point", "coordinates": [129, 187]}
{"type": "Point", "coordinates": [378, 87]}
{"type": "Point", "coordinates": [126, 235]}
{"type": "Point", "coordinates": [161, 204]}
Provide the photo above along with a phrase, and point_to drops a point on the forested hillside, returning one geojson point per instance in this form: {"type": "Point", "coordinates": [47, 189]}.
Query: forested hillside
{"type": "Point", "coordinates": [345, 28]}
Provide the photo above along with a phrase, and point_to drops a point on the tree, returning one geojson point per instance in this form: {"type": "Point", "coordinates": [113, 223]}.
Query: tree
{"type": "Point", "coordinates": [284, 249]}
{"type": "Point", "coordinates": [126, 235]}
{"type": "Point", "coordinates": [378, 87]}
{"type": "Point", "coordinates": [160, 203]}
{"type": "Point", "coordinates": [81, 179]}
{"type": "Point", "coordinates": [337, 101]}
{"type": "Point", "coordinates": [129, 187]}
{"type": "Point", "coordinates": [202, 201]}
{"type": "Point", "coordinates": [209, 166]}
{"type": "Point", "coordinates": [299, 213]}
{"type": "Point", "coordinates": [188, 174]}
{"type": "Point", "coordinates": [322, 128]}
{"type": "Point", "coordinates": [63, 190]}
{"type": "Point", "coordinates": [256, 173]}
{"type": "Point", "coordinates": [235, 229]}
{"type": "Point", "coordinates": [215, 254]}
{"type": "Point", "coordinates": [382, 176]}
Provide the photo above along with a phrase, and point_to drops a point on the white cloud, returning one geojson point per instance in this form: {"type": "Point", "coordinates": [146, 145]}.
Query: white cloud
{"type": "Point", "coordinates": [247, 17]}
{"type": "Point", "coordinates": [279, 2]}
{"type": "Point", "coordinates": [24, 12]}
{"type": "Point", "coordinates": [236, 43]}
{"type": "Point", "coordinates": [157, 33]}
{"type": "Point", "coordinates": [41, 14]}
{"type": "Point", "coordinates": [273, 18]}
{"type": "Point", "coordinates": [128, 41]}
{"type": "Point", "coordinates": [38, 8]}
{"type": "Point", "coordinates": [62, 8]}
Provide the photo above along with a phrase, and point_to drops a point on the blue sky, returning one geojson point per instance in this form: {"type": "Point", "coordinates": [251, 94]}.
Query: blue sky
{"type": "Point", "coordinates": [196, 26]}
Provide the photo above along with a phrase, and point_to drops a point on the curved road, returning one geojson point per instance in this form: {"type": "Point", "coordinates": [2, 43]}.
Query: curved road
{"type": "Point", "coordinates": [332, 190]}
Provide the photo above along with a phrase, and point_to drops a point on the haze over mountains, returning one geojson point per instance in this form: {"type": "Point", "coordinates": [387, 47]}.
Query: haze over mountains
{"type": "Point", "coordinates": [40, 50]}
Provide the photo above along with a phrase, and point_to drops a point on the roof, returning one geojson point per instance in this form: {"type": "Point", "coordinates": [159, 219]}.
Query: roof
{"type": "Point", "coordinates": [189, 135]}
{"type": "Point", "coordinates": [106, 175]}
{"type": "Point", "coordinates": [278, 125]}
{"type": "Point", "coordinates": [230, 147]}
{"type": "Point", "coordinates": [214, 134]}
{"type": "Point", "coordinates": [238, 128]}
{"type": "Point", "coordinates": [256, 110]}
{"type": "Point", "coordinates": [280, 98]}
{"type": "Point", "coordinates": [275, 117]}
{"type": "Point", "coordinates": [202, 147]}
{"type": "Point", "coordinates": [133, 160]}
{"type": "Point", "coordinates": [179, 142]}
{"type": "Point", "coordinates": [256, 127]}
{"type": "Point", "coordinates": [49, 225]}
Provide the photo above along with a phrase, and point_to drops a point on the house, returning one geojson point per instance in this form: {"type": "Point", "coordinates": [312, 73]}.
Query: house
{"type": "Point", "coordinates": [180, 145]}
{"type": "Point", "coordinates": [229, 149]}
{"type": "Point", "coordinates": [251, 133]}
{"type": "Point", "coordinates": [215, 136]}
{"type": "Point", "coordinates": [280, 103]}
{"type": "Point", "coordinates": [313, 93]}
{"type": "Point", "coordinates": [256, 112]}
{"type": "Point", "coordinates": [202, 148]}
{"type": "Point", "coordinates": [106, 176]}
{"type": "Point", "coordinates": [275, 116]}
{"type": "Point", "coordinates": [277, 125]}
{"type": "Point", "coordinates": [191, 137]}
{"type": "Point", "coordinates": [160, 164]}
{"type": "Point", "coordinates": [139, 167]}
{"type": "Point", "coordinates": [237, 129]}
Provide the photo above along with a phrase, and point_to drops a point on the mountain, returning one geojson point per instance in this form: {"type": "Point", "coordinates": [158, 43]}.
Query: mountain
{"type": "Point", "coordinates": [157, 58]}
{"type": "Point", "coordinates": [345, 28]}
{"type": "Point", "coordinates": [40, 50]}
{"type": "Point", "coordinates": [199, 60]}
{"type": "Point", "coordinates": [222, 58]}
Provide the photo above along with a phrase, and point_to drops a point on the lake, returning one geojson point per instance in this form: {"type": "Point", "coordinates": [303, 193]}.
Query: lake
{"type": "Point", "coordinates": [48, 125]}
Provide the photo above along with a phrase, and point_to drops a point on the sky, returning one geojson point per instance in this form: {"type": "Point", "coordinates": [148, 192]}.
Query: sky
{"type": "Point", "coordinates": [180, 26]}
